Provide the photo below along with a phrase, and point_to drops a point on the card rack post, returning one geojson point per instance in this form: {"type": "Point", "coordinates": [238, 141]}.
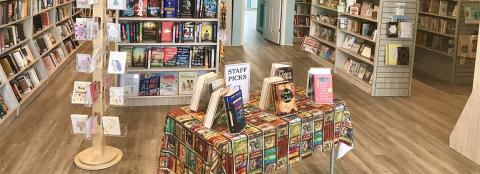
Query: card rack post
{"type": "Point", "coordinates": [465, 136]}
{"type": "Point", "coordinates": [99, 156]}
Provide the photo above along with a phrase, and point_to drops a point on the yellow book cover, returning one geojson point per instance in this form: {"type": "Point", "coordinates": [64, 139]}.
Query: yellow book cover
{"type": "Point", "coordinates": [391, 54]}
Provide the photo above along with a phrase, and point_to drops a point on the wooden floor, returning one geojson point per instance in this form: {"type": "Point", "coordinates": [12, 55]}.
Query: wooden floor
{"type": "Point", "coordinates": [392, 134]}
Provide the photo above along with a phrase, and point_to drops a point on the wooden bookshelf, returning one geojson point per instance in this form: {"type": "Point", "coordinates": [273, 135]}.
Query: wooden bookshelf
{"type": "Point", "coordinates": [301, 12]}
{"type": "Point", "coordinates": [455, 69]}
{"type": "Point", "coordinates": [167, 99]}
{"type": "Point", "coordinates": [386, 80]}
{"type": "Point", "coordinates": [16, 107]}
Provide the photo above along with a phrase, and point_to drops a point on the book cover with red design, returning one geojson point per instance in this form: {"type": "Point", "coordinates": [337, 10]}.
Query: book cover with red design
{"type": "Point", "coordinates": [166, 34]}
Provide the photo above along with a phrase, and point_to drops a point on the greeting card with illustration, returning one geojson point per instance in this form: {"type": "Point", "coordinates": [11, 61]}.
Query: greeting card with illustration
{"type": "Point", "coordinates": [116, 62]}
{"type": "Point", "coordinates": [84, 63]}
{"type": "Point", "coordinates": [116, 95]}
{"type": "Point", "coordinates": [111, 125]}
{"type": "Point", "coordinates": [79, 123]}
{"type": "Point", "coordinates": [113, 32]}
{"type": "Point", "coordinates": [117, 4]}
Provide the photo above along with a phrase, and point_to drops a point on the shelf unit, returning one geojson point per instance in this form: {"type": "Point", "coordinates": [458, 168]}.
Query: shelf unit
{"type": "Point", "coordinates": [301, 17]}
{"type": "Point", "coordinates": [386, 80]}
{"type": "Point", "coordinates": [15, 106]}
{"type": "Point", "coordinates": [445, 62]}
{"type": "Point", "coordinates": [178, 99]}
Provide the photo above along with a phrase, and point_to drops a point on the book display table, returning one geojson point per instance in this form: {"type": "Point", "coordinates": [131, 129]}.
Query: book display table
{"type": "Point", "coordinates": [268, 142]}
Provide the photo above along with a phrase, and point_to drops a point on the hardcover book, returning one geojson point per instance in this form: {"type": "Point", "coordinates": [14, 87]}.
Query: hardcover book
{"type": "Point", "coordinates": [323, 87]}
{"type": "Point", "coordinates": [209, 8]}
{"type": "Point", "coordinates": [169, 83]}
{"type": "Point", "coordinates": [149, 84]}
{"type": "Point", "coordinates": [186, 8]}
{"type": "Point", "coordinates": [138, 57]}
{"type": "Point", "coordinates": [167, 32]}
{"type": "Point", "coordinates": [157, 57]}
{"type": "Point", "coordinates": [128, 12]}
{"type": "Point", "coordinates": [183, 57]}
{"type": "Point", "coordinates": [198, 56]}
{"type": "Point", "coordinates": [403, 57]}
{"type": "Point", "coordinates": [392, 29]}
{"type": "Point", "coordinates": [207, 32]}
{"type": "Point", "coordinates": [170, 8]}
{"type": "Point", "coordinates": [150, 31]}
{"type": "Point", "coordinates": [284, 98]}
{"type": "Point", "coordinates": [187, 82]}
{"type": "Point", "coordinates": [234, 109]}
{"type": "Point", "coordinates": [153, 9]}
{"type": "Point", "coordinates": [140, 8]}
{"type": "Point", "coordinates": [189, 32]}
{"type": "Point", "coordinates": [170, 57]}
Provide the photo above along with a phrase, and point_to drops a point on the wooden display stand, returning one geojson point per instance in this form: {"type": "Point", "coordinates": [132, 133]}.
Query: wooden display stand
{"type": "Point", "coordinates": [465, 136]}
{"type": "Point", "coordinates": [99, 156]}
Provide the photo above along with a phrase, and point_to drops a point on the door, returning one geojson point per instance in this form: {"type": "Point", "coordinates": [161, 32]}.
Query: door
{"type": "Point", "coordinates": [273, 16]}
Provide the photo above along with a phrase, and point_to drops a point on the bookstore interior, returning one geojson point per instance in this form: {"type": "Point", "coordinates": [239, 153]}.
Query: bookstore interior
{"type": "Point", "coordinates": [155, 86]}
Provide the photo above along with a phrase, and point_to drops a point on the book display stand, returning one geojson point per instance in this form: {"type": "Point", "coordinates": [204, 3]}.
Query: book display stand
{"type": "Point", "coordinates": [36, 72]}
{"type": "Point", "coordinates": [445, 38]}
{"type": "Point", "coordinates": [301, 20]}
{"type": "Point", "coordinates": [176, 40]}
{"type": "Point", "coordinates": [354, 39]}
{"type": "Point", "coordinates": [465, 136]}
{"type": "Point", "coordinates": [99, 156]}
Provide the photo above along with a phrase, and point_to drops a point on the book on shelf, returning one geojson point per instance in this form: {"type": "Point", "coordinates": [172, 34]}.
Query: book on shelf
{"type": "Point", "coordinates": [234, 107]}
{"type": "Point", "coordinates": [39, 5]}
{"type": "Point", "coordinates": [23, 84]}
{"type": "Point", "coordinates": [403, 57]}
{"type": "Point", "coordinates": [153, 8]}
{"type": "Point", "coordinates": [201, 90]}
{"type": "Point", "coordinates": [130, 83]}
{"type": "Point", "coordinates": [13, 10]}
{"type": "Point", "coordinates": [353, 67]}
{"type": "Point", "coordinates": [71, 45]}
{"type": "Point", "coordinates": [186, 82]}
{"type": "Point", "coordinates": [10, 36]}
{"type": "Point", "coordinates": [65, 29]}
{"type": "Point", "coordinates": [149, 84]}
{"type": "Point", "coordinates": [40, 22]}
{"type": "Point", "coordinates": [169, 83]}
{"type": "Point", "coordinates": [284, 97]}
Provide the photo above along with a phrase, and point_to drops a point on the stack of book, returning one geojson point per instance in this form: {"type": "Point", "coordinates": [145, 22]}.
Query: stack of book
{"type": "Point", "coordinates": [25, 83]}
{"type": "Point", "coordinates": [168, 32]}
{"type": "Point", "coordinates": [10, 36]}
{"type": "Point", "coordinates": [171, 8]}
{"type": "Point", "coordinates": [13, 10]}
{"type": "Point", "coordinates": [17, 60]}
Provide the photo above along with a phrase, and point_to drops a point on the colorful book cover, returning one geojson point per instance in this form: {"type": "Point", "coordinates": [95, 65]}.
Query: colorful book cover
{"type": "Point", "coordinates": [169, 83]}
{"type": "Point", "coordinates": [187, 82]}
{"type": "Point", "coordinates": [140, 8]}
{"type": "Point", "coordinates": [284, 98]}
{"type": "Point", "coordinates": [170, 57]}
{"type": "Point", "coordinates": [234, 107]}
{"type": "Point", "coordinates": [328, 130]}
{"type": "Point", "coordinates": [240, 149]}
{"type": "Point", "coordinates": [294, 136]}
{"type": "Point", "coordinates": [170, 8]}
{"type": "Point", "coordinates": [157, 57]}
{"type": "Point", "coordinates": [167, 32]}
{"type": "Point", "coordinates": [323, 88]}
{"type": "Point", "coordinates": [138, 57]}
{"type": "Point", "coordinates": [183, 57]}
{"type": "Point", "coordinates": [317, 130]}
{"type": "Point", "coordinates": [210, 8]}
{"type": "Point", "coordinates": [150, 31]}
{"type": "Point", "coordinates": [198, 56]}
{"type": "Point", "coordinates": [207, 32]}
{"type": "Point", "coordinates": [149, 84]}
{"type": "Point", "coordinates": [189, 32]}
{"type": "Point", "coordinates": [153, 9]}
{"type": "Point", "coordinates": [186, 8]}
{"type": "Point", "coordinates": [191, 158]}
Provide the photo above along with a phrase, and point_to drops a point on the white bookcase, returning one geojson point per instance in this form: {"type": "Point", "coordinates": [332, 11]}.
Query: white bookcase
{"type": "Point", "coordinates": [386, 80]}
{"type": "Point", "coordinates": [16, 107]}
{"type": "Point", "coordinates": [302, 12]}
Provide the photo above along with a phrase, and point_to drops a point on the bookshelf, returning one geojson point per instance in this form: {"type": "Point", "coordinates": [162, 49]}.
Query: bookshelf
{"type": "Point", "coordinates": [44, 75]}
{"type": "Point", "coordinates": [355, 45]}
{"type": "Point", "coordinates": [211, 49]}
{"type": "Point", "coordinates": [301, 19]}
{"type": "Point", "coordinates": [442, 28]}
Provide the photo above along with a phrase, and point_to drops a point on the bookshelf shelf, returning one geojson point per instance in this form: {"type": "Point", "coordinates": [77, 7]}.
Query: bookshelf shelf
{"type": "Point", "coordinates": [436, 32]}
{"type": "Point", "coordinates": [356, 55]}
{"type": "Point", "coordinates": [379, 79]}
{"type": "Point", "coordinates": [63, 20]}
{"type": "Point", "coordinates": [301, 26]}
{"type": "Point", "coordinates": [367, 38]}
{"type": "Point", "coordinates": [50, 49]}
{"type": "Point", "coordinates": [44, 10]}
{"type": "Point", "coordinates": [435, 51]}
{"type": "Point", "coordinates": [168, 19]}
{"type": "Point", "coordinates": [301, 17]}
{"type": "Point", "coordinates": [14, 46]}
{"type": "Point", "coordinates": [14, 22]}
{"type": "Point", "coordinates": [42, 31]}
{"type": "Point", "coordinates": [437, 15]}
{"type": "Point", "coordinates": [359, 17]}
{"type": "Point", "coordinates": [168, 44]}
{"type": "Point", "coordinates": [65, 3]}
{"type": "Point", "coordinates": [302, 14]}
{"type": "Point", "coordinates": [160, 69]}
{"type": "Point", "coordinates": [332, 44]}
{"type": "Point", "coordinates": [324, 24]}
{"type": "Point", "coordinates": [66, 37]}
{"type": "Point", "coordinates": [10, 78]}
{"type": "Point", "coordinates": [303, 3]}
{"type": "Point", "coordinates": [324, 7]}
{"type": "Point", "coordinates": [160, 96]}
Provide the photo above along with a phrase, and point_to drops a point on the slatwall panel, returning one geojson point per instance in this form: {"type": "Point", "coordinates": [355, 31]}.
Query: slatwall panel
{"type": "Point", "coordinates": [463, 71]}
{"type": "Point", "coordinates": [394, 80]}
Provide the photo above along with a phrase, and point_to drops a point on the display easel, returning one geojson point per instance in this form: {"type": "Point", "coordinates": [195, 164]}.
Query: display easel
{"type": "Point", "coordinates": [99, 156]}
{"type": "Point", "coordinates": [465, 136]}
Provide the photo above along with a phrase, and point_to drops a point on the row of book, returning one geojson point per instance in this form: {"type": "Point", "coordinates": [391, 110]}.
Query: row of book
{"type": "Point", "coordinates": [10, 36]}
{"type": "Point", "coordinates": [40, 22]}
{"type": "Point", "coordinates": [440, 7]}
{"type": "Point", "coordinates": [318, 48]}
{"type": "Point", "coordinates": [357, 26]}
{"type": "Point", "coordinates": [24, 83]}
{"type": "Point", "coordinates": [358, 46]}
{"type": "Point", "coordinates": [138, 32]}
{"type": "Point", "coordinates": [327, 18]}
{"type": "Point", "coordinates": [439, 43]}
{"type": "Point", "coordinates": [71, 44]}
{"type": "Point", "coordinates": [197, 56]}
{"type": "Point", "coordinates": [13, 10]}
{"type": "Point", "coordinates": [66, 29]}
{"type": "Point", "coordinates": [301, 21]}
{"type": "Point", "coordinates": [171, 8]}
{"type": "Point", "coordinates": [396, 54]}
{"type": "Point", "coordinates": [17, 60]}
{"type": "Point", "coordinates": [300, 32]}
{"type": "Point", "coordinates": [39, 5]}
{"type": "Point", "coordinates": [302, 9]}
{"type": "Point", "coordinates": [53, 59]}
{"type": "Point", "coordinates": [365, 8]}
{"type": "Point", "coordinates": [360, 70]}
{"type": "Point", "coordinates": [325, 33]}
{"type": "Point", "coordinates": [437, 24]}
{"type": "Point", "coordinates": [159, 83]}
{"type": "Point", "coordinates": [62, 13]}
{"type": "Point", "coordinates": [45, 42]}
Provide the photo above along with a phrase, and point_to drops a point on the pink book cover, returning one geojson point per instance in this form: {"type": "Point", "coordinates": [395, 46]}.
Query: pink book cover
{"type": "Point", "coordinates": [323, 88]}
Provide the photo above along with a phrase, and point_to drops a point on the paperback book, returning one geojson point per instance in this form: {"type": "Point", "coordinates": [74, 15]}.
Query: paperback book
{"type": "Point", "coordinates": [169, 83]}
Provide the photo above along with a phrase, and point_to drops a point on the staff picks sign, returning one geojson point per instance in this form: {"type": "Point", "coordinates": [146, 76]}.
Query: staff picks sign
{"type": "Point", "coordinates": [238, 76]}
